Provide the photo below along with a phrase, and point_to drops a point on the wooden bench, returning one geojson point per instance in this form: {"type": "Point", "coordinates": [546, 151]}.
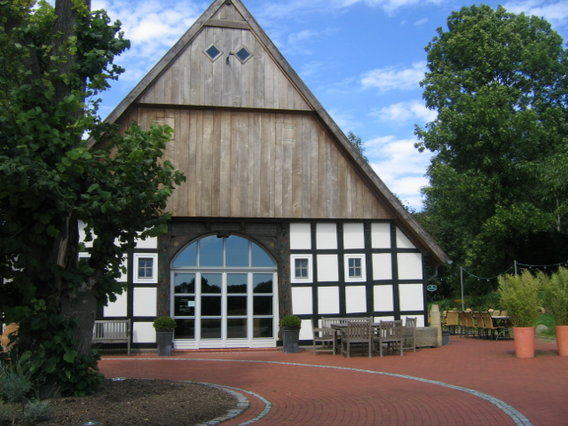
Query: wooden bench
{"type": "Point", "coordinates": [112, 331]}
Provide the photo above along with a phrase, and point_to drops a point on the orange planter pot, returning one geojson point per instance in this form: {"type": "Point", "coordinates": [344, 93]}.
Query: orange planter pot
{"type": "Point", "coordinates": [562, 339]}
{"type": "Point", "coordinates": [524, 341]}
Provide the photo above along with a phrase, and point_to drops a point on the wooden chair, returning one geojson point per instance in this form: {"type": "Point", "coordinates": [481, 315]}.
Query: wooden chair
{"type": "Point", "coordinates": [324, 337]}
{"type": "Point", "coordinates": [389, 334]}
{"type": "Point", "coordinates": [451, 322]}
{"type": "Point", "coordinates": [479, 324]}
{"type": "Point", "coordinates": [409, 334]}
{"type": "Point", "coordinates": [357, 332]}
{"type": "Point", "coordinates": [465, 319]}
{"type": "Point", "coordinates": [492, 330]}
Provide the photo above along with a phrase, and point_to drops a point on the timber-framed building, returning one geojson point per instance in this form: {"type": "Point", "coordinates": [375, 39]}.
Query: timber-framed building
{"type": "Point", "coordinates": [279, 214]}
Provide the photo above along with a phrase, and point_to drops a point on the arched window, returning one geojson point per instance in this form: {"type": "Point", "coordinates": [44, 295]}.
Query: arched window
{"type": "Point", "coordinates": [223, 293]}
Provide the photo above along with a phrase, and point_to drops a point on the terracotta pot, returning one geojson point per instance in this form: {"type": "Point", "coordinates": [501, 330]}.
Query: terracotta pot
{"type": "Point", "coordinates": [562, 339]}
{"type": "Point", "coordinates": [524, 341]}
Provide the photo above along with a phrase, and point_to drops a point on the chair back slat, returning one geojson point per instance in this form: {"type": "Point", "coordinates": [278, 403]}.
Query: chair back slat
{"type": "Point", "coordinates": [410, 322]}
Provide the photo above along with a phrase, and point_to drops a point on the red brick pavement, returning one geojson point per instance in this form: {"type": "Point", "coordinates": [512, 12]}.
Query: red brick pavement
{"type": "Point", "coordinates": [319, 389]}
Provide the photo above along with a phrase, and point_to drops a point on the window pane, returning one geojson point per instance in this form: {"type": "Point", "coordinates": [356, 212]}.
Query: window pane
{"type": "Point", "coordinates": [213, 52]}
{"type": "Point", "coordinates": [184, 283]}
{"type": "Point", "coordinates": [262, 305]}
{"type": "Point", "coordinates": [211, 328]}
{"type": "Point", "coordinates": [355, 267]}
{"type": "Point", "coordinates": [237, 251]}
{"type": "Point", "coordinates": [301, 268]}
{"type": "Point", "coordinates": [145, 267]}
{"type": "Point", "coordinates": [262, 283]}
{"type": "Point", "coordinates": [185, 329]}
{"type": "Point", "coordinates": [237, 328]}
{"type": "Point", "coordinates": [187, 257]}
{"type": "Point", "coordinates": [236, 283]}
{"type": "Point", "coordinates": [184, 306]}
{"type": "Point", "coordinates": [211, 283]}
{"type": "Point", "coordinates": [211, 305]}
{"type": "Point", "coordinates": [237, 305]}
{"type": "Point", "coordinates": [262, 327]}
{"type": "Point", "coordinates": [260, 257]}
{"type": "Point", "coordinates": [211, 251]}
{"type": "Point", "coordinates": [243, 54]}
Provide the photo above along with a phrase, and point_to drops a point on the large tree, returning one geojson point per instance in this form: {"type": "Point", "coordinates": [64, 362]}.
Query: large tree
{"type": "Point", "coordinates": [498, 189]}
{"type": "Point", "coordinates": [53, 62]}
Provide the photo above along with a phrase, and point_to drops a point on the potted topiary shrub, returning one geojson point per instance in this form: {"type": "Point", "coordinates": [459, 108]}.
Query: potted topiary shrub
{"type": "Point", "coordinates": [519, 296]}
{"type": "Point", "coordinates": [290, 331]}
{"type": "Point", "coordinates": [165, 334]}
{"type": "Point", "coordinates": [555, 299]}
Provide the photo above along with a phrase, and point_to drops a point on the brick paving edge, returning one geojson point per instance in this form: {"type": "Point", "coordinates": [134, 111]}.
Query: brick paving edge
{"type": "Point", "coordinates": [510, 411]}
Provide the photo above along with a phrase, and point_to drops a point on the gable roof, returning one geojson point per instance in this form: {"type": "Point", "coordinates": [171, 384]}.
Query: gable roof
{"type": "Point", "coordinates": [233, 14]}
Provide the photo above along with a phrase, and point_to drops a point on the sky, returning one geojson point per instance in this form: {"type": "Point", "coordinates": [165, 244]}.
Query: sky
{"type": "Point", "coordinates": [362, 59]}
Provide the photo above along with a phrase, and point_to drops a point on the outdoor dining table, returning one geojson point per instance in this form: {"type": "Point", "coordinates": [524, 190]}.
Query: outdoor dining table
{"type": "Point", "coordinates": [338, 328]}
{"type": "Point", "coordinates": [501, 321]}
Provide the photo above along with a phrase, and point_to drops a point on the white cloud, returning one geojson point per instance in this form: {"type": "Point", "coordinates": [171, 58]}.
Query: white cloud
{"type": "Point", "coordinates": [343, 119]}
{"type": "Point", "coordinates": [392, 78]}
{"type": "Point", "coordinates": [301, 36]}
{"type": "Point", "coordinates": [152, 27]}
{"type": "Point", "coordinates": [405, 111]}
{"type": "Point", "coordinates": [556, 12]}
{"type": "Point", "coordinates": [391, 6]}
{"type": "Point", "coordinates": [400, 166]}
{"type": "Point", "coordinates": [421, 22]}
{"type": "Point", "coordinates": [295, 8]}
{"type": "Point", "coordinates": [299, 42]}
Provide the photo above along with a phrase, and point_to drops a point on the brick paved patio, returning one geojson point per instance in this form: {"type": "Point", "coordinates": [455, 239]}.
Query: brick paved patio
{"type": "Point", "coordinates": [468, 382]}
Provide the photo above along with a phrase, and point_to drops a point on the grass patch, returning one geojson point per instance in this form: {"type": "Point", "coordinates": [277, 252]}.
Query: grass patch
{"type": "Point", "coordinates": [548, 320]}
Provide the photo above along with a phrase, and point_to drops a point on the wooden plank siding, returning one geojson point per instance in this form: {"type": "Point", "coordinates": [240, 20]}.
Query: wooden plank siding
{"type": "Point", "coordinates": [260, 165]}
{"type": "Point", "coordinates": [193, 79]}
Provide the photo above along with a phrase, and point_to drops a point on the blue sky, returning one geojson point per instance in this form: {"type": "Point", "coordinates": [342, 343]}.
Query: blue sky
{"type": "Point", "coordinates": [363, 60]}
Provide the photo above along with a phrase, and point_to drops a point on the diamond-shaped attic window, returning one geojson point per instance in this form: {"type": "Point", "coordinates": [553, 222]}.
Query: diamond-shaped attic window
{"type": "Point", "coordinates": [213, 52]}
{"type": "Point", "coordinates": [243, 54]}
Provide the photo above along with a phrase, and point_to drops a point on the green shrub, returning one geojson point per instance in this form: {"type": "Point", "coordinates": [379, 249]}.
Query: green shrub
{"type": "Point", "coordinates": [555, 295]}
{"type": "Point", "coordinates": [519, 296]}
{"type": "Point", "coordinates": [548, 321]}
{"type": "Point", "coordinates": [164, 323]}
{"type": "Point", "coordinates": [9, 413]}
{"type": "Point", "coordinates": [14, 386]}
{"type": "Point", "coordinates": [290, 321]}
{"type": "Point", "coordinates": [15, 405]}
{"type": "Point", "coordinates": [36, 411]}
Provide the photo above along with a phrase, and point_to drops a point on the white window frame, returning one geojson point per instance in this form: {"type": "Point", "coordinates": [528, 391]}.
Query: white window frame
{"type": "Point", "coordinates": [145, 280]}
{"type": "Point", "coordinates": [294, 278]}
{"type": "Point", "coordinates": [363, 276]}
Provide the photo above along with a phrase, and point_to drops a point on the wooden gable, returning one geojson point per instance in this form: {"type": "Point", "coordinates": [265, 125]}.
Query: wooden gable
{"type": "Point", "coordinates": [251, 138]}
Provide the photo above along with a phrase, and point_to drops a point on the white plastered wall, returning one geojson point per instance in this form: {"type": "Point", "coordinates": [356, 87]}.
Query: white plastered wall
{"type": "Point", "coordinates": [355, 299]}
{"type": "Point", "coordinates": [143, 332]}
{"type": "Point", "coordinates": [117, 308]}
{"type": "Point", "coordinates": [353, 236]}
{"type": "Point", "coordinates": [328, 269]}
{"type": "Point", "coordinates": [300, 236]}
{"type": "Point", "coordinates": [326, 236]}
{"type": "Point", "coordinates": [145, 301]}
{"type": "Point", "coordinates": [302, 301]}
{"type": "Point", "coordinates": [328, 300]}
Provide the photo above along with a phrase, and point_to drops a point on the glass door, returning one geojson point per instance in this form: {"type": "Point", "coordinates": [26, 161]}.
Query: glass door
{"type": "Point", "coordinates": [224, 300]}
